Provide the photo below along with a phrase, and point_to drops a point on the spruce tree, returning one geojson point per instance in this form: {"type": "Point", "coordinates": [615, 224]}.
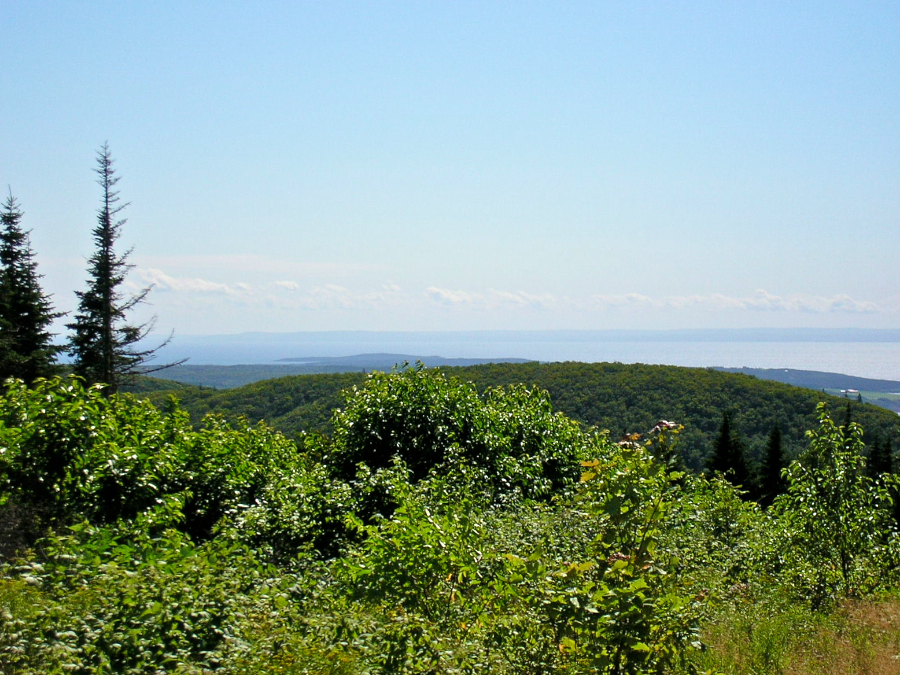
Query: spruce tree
{"type": "Point", "coordinates": [103, 343]}
{"type": "Point", "coordinates": [880, 460]}
{"type": "Point", "coordinates": [26, 313]}
{"type": "Point", "coordinates": [728, 456]}
{"type": "Point", "coordinates": [848, 420]}
{"type": "Point", "coordinates": [771, 482]}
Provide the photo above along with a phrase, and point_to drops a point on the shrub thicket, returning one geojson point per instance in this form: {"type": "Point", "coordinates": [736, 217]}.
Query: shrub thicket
{"type": "Point", "coordinates": [439, 530]}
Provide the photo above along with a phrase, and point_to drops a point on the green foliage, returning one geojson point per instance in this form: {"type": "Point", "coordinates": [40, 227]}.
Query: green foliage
{"type": "Point", "coordinates": [118, 600]}
{"type": "Point", "coordinates": [624, 398]}
{"type": "Point", "coordinates": [771, 479]}
{"type": "Point", "coordinates": [420, 569]}
{"type": "Point", "coordinates": [71, 453]}
{"type": "Point", "coordinates": [881, 459]}
{"type": "Point", "coordinates": [728, 458]}
{"type": "Point", "coordinates": [227, 469]}
{"type": "Point", "coordinates": [425, 419]}
{"type": "Point", "coordinates": [839, 521]}
{"type": "Point", "coordinates": [722, 542]}
{"type": "Point", "coordinates": [144, 385]}
{"type": "Point", "coordinates": [300, 509]}
{"type": "Point", "coordinates": [632, 397]}
{"type": "Point", "coordinates": [293, 405]}
{"type": "Point", "coordinates": [26, 347]}
{"type": "Point", "coordinates": [415, 415]}
{"type": "Point", "coordinates": [624, 610]}
{"type": "Point", "coordinates": [579, 588]}
{"type": "Point", "coordinates": [442, 529]}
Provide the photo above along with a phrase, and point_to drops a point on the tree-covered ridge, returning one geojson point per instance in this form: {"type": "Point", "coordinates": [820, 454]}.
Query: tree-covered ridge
{"type": "Point", "coordinates": [632, 397]}
{"type": "Point", "coordinates": [293, 404]}
{"type": "Point", "coordinates": [623, 398]}
{"type": "Point", "coordinates": [438, 529]}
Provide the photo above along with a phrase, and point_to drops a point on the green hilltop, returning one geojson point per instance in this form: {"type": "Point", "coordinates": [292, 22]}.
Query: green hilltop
{"type": "Point", "coordinates": [624, 398]}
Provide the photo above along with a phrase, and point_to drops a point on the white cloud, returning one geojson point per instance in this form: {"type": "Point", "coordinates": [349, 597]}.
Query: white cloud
{"type": "Point", "coordinates": [626, 300]}
{"type": "Point", "coordinates": [446, 297]}
{"type": "Point", "coordinates": [334, 296]}
{"type": "Point", "coordinates": [164, 282]}
{"type": "Point", "coordinates": [844, 303]}
{"type": "Point", "coordinates": [288, 295]}
{"type": "Point", "coordinates": [283, 294]}
{"type": "Point", "coordinates": [523, 299]}
{"type": "Point", "coordinates": [493, 299]}
{"type": "Point", "coordinates": [761, 301]}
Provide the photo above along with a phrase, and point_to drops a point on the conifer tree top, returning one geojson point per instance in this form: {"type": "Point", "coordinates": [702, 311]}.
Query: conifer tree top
{"type": "Point", "coordinates": [104, 343]}
{"type": "Point", "coordinates": [26, 313]}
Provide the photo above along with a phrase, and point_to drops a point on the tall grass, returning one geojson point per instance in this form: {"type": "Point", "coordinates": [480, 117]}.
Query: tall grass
{"type": "Point", "coordinates": [859, 637]}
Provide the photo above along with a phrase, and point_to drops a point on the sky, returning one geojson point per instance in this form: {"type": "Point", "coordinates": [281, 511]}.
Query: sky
{"type": "Point", "coordinates": [413, 166]}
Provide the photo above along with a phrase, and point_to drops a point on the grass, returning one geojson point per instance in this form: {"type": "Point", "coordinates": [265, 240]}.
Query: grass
{"type": "Point", "coordinates": [860, 637]}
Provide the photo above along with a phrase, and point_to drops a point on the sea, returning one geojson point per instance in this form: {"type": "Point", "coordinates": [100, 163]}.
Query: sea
{"type": "Point", "coordinates": [863, 353]}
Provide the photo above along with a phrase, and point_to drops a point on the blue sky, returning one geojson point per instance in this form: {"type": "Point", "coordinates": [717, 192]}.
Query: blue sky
{"type": "Point", "coordinates": [468, 165]}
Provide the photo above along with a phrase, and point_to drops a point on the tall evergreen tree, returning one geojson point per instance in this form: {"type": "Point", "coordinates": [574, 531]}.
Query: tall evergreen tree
{"type": "Point", "coordinates": [771, 482]}
{"type": "Point", "coordinates": [103, 343]}
{"type": "Point", "coordinates": [26, 343]}
{"type": "Point", "coordinates": [845, 427]}
{"type": "Point", "coordinates": [880, 459]}
{"type": "Point", "coordinates": [728, 456]}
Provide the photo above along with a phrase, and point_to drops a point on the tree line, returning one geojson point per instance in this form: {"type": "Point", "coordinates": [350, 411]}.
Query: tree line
{"type": "Point", "coordinates": [764, 480]}
{"type": "Point", "coordinates": [103, 344]}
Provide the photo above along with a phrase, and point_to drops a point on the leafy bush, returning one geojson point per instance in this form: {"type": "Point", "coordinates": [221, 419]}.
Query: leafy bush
{"type": "Point", "coordinates": [430, 421]}
{"type": "Point", "coordinates": [72, 453]}
{"type": "Point", "coordinates": [723, 543]}
{"type": "Point", "coordinates": [839, 522]}
{"type": "Point", "coordinates": [68, 453]}
{"type": "Point", "coordinates": [580, 587]}
{"type": "Point", "coordinates": [114, 599]}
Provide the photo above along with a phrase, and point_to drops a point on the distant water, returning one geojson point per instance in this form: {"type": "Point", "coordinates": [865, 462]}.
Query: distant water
{"type": "Point", "coordinates": [863, 358]}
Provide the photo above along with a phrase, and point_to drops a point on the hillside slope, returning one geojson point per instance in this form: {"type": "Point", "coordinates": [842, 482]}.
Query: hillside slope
{"type": "Point", "coordinates": [623, 398]}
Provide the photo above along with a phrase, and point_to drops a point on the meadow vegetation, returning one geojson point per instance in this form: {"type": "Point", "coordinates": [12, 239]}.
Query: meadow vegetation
{"type": "Point", "coordinates": [440, 527]}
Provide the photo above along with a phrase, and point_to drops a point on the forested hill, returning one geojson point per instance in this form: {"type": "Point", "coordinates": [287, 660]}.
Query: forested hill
{"type": "Point", "coordinates": [883, 393]}
{"type": "Point", "coordinates": [228, 377]}
{"type": "Point", "coordinates": [814, 379]}
{"type": "Point", "coordinates": [623, 398]}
